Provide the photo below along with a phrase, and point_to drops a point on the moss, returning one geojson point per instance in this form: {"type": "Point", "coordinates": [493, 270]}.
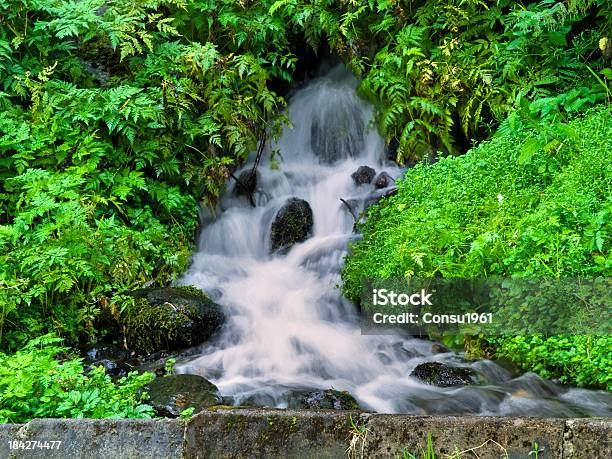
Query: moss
{"type": "Point", "coordinates": [293, 223]}
{"type": "Point", "coordinates": [190, 289]}
{"type": "Point", "coordinates": [235, 421]}
{"type": "Point", "coordinates": [278, 430]}
{"type": "Point", "coordinates": [348, 401]}
{"type": "Point", "coordinates": [149, 328]}
{"type": "Point", "coordinates": [228, 407]}
{"type": "Point", "coordinates": [170, 318]}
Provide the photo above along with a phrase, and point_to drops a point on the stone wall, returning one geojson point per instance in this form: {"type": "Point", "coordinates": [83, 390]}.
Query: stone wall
{"type": "Point", "coordinates": [265, 433]}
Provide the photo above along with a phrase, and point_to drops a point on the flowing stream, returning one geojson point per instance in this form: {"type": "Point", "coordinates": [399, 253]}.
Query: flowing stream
{"type": "Point", "coordinates": [289, 328]}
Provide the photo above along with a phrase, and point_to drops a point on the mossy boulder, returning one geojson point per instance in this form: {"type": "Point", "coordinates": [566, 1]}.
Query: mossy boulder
{"type": "Point", "coordinates": [329, 399]}
{"type": "Point", "coordinates": [171, 395]}
{"type": "Point", "coordinates": [439, 374]}
{"type": "Point", "coordinates": [170, 318]}
{"type": "Point", "coordinates": [293, 223]}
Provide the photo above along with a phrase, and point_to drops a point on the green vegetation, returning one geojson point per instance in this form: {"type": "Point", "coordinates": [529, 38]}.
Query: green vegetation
{"type": "Point", "coordinates": [117, 118]}
{"type": "Point", "coordinates": [43, 380]}
{"type": "Point", "coordinates": [526, 203]}
{"type": "Point", "coordinates": [583, 360]}
{"type": "Point", "coordinates": [115, 122]}
{"type": "Point", "coordinates": [429, 452]}
{"type": "Point", "coordinates": [506, 207]}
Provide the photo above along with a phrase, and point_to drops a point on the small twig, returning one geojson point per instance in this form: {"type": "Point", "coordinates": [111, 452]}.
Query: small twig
{"type": "Point", "coordinates": [245, 188]}
{"type": "Point", "coordinates": [260, 149]}
{"type": "Point", "coordinates": [348, 206]}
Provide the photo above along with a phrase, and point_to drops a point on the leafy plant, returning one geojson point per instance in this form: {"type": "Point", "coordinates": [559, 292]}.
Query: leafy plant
{"type": "Point", "coordinates": [499, 212]}
{"type": "Point", "coordinates": [42, 380]}
{"type": "Point", "coordinates": [116, 121]}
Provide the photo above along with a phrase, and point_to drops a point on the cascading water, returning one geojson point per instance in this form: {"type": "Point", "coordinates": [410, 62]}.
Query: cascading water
{"type": "Point", "coordinates": [289, 329]}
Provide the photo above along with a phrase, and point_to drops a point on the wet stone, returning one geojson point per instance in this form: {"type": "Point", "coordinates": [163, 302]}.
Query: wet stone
{"type": "Point", "coordinates": [439, 374]}
{"type": "Point", "coordinates": [363, 175]}
{"type": "Point", "coordinates": [171, 395]}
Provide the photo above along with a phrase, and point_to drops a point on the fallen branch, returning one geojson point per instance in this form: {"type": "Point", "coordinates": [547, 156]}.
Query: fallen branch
{"type": "Point", "coordinates": [245, 188]}
{"type": "Point", "coordinates": [348, 206]}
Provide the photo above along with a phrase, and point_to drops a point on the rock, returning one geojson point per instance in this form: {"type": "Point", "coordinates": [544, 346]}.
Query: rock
{"type": "Point", "coordinates": [438, 348]}
{"type": "Point", "coordinates": [112, 358]}
{"type": "Point", "coordinates": [363, 175]}
{"type": "Point", "coordinates": [293, 223]}
{"type": "Point", "coordinates": [170, 318]}
{"type": "Point", "coordinates": [249, 179]}
{"type": "Point", "coordinates": [383, 180]}
{"type": "Point", "coordinates": [377, 195]}
{"type": "Point", "coordinates": [157, 363]}
{"type": "Point", "coordinates": [171, 395]}
{"type": "Point", "coordinates": [439, 374]}
{"type": "Point", "coordinates": [337, 131]}
{"type": "Point", "coordinates": [111, 367]}
{"type": "Point", "coordinates": [100, 351]}
{"type": "Point", "coordinates": [329, 399]}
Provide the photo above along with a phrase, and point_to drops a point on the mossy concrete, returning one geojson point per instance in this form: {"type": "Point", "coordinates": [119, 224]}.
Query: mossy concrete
{"type": "Point", "coordinates": [263, 433]}
{"type": "Point", "coordinates": [587, 438]}
{"type": "Point", "coordinates": [268, 433]}
{"type": "Point", "coordinates": [491, 437]}
{"type": "Point", "coordinates": [96, 439]}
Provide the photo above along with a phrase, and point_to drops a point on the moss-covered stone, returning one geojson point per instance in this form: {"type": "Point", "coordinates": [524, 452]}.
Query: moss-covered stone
{"type": "Point", "coordinates": [293, 223]}
{"type": "Point", "coordinates": [191, 290]}
{"type": "Point", "coordinates": [173, 394]}
{"type": "Point", "coordinates": [330, 399]}
{"type": "Point", "coordinates": [439, 374]}
{"type": "Point", "coordinates": [170, 318]}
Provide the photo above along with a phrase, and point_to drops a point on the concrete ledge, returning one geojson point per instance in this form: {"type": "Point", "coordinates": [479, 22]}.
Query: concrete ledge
{"type": "Point", "coordinates": [97, 438]}
{"type": "Point", "coordinates": [267, 433]}
{"type": "Point", "coordinates": [496, 437]}
{"type": "Point", "coordinates": [587, 438]}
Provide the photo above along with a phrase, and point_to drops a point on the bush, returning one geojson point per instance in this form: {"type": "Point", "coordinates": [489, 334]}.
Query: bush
{"type": "Point", "coordinates": [527, 203]}
{"type": "Point", "coordinates": [42, 380]}
{"type": "Point", "coordinates": [116, 119]}
{"type": "Point", "coordinates": [581, 360]}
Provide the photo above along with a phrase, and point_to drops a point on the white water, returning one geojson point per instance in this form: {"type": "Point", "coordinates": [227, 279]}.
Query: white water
{"type": "Point", "coordinates": [288, 327]}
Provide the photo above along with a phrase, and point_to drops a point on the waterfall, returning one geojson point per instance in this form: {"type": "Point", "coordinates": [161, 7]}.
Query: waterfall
{"type": "Point", "coordinates": [288, 326]}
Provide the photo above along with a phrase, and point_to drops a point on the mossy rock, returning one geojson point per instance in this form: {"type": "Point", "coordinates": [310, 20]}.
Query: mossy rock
{"type": "Point", "coordinates": [170, 318]}
{"type": "Point", "coordinates": [439, 374]}
{"type": "Point", "coordinates": [171, 395]}
{"type": "Point", "coordinates": [292, 224]}
{"type": "Point", "coordinates": [329, 399]}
